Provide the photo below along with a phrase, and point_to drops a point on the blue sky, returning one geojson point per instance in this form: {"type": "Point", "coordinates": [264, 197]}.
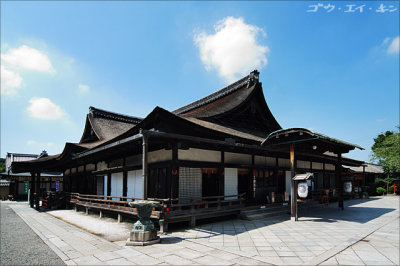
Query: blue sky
{"type": "Point", "coordinates": [334, 71]}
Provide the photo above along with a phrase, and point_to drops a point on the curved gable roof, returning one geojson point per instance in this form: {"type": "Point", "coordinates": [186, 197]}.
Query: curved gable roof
{"type": "Point", "coordinates": [240, 106]}
{"type": "Point", "coordinates": [102, 125]}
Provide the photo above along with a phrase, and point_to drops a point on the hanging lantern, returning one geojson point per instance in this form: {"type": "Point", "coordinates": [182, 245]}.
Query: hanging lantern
{"type": "Point", "coordinates": [302, 189]}
{"type": "Point", "coordinates": [347, 186]}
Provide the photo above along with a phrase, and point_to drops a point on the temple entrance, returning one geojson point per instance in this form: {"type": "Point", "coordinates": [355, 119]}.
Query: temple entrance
{"type": "Point", "coordinates": [245, 183]}
{"type": "Point", "coordinates": [211, 182]}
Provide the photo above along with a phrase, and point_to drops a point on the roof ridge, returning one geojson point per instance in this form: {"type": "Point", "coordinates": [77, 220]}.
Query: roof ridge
{"type": "Point", "coordinates": [22, 154]}
{"type": "Point", "coordinates": [96, 112]}
{"type": "Point", "coordinates": [252, 77]}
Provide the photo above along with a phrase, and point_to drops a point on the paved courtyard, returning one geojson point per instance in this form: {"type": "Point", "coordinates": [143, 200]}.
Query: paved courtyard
{"type": "Point", "coordinates": [366, 232]}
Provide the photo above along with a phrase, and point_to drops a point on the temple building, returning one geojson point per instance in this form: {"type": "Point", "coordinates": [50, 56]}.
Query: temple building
{"type": "Point", "coordinates": [227, 144]}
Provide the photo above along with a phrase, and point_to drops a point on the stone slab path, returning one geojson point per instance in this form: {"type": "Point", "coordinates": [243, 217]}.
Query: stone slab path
{"type": "Point", "coordinates": [323, 235]}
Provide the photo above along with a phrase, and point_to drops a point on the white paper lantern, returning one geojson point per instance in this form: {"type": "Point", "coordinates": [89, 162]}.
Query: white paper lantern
{"type": "Point", "coordinates": [302, 190]}
{"type": "Point", "coordinates": [347, 186]}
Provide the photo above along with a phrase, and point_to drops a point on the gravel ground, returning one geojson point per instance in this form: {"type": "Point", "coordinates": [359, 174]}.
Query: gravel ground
{"type": "Point", "coordinates": [19, 244]}
{"type": "Point", "coordinates": [107, 228]}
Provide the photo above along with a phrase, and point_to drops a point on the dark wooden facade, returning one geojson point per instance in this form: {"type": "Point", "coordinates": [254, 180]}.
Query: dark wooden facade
{"type": "Point", "coordinates": [227, 143]}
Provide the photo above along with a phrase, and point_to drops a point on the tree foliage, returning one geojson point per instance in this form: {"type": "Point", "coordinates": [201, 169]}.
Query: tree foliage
{"type": "Point", "coordinates": [2, 164]}
{"type": "Point", "coordinates": [386, 151]}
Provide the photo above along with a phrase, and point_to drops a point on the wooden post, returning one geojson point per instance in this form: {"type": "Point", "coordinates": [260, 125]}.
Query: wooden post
{"type": "Point", "coordinates": [37, 190]}
{"type": "Point", "coordinates": [364, 182]}
{"type": "Point", "coordinates": [193, 221]}
{"type": "Point", "coordinates": [108, 184]}
{"type": "Point", "coordinates": [32, 189]}
{"type": "Point", "coordinates": [174, 172]}
{"type": "Point", "coordinates": [144, 163]}
{"type": "Point", "coordinates": [15, 188]}
{"type": "Point", "coordinates": [338, 181]}
{"type": "Point", "coordinates": [125, 184]}
{"type": "Point", "coordinates": [293, 189]}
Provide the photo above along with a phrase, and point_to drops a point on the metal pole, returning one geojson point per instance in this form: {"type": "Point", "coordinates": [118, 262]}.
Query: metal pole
{"type": "Point", "coordinates": [144, 163]}
{"type": "Point", "coordinates": [339, 183]}
{"type": "Point", "coordinates": [293, 190]}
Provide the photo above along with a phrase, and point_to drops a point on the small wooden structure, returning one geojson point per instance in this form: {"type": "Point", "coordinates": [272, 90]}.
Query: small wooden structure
{"type": "Point", "coordinates": [171, 210]}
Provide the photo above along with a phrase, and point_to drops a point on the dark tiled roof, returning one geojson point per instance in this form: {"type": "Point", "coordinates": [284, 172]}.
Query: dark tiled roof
{"type": "Point", "coordinates": [219, 94]}
{"type": "Point", "coordinates": [107, 129]}
{"type": "Point", "coordinates": [96, 112]}
{"type": "Point", "coordinates": [231, 131]}
{"type": "Point", "coordinates": [369, 168]}
{"type": "Point", "coordinates": [309, 132]}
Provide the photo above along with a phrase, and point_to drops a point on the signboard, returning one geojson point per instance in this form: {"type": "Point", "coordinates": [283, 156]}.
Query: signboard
{"type": "Point", "coordinates": [57, 185]}
{"type": "Point", "coordinates": [26, 187]}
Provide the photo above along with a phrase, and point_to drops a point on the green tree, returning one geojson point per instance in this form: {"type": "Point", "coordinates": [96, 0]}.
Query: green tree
{"type": "Point", "coordinates": [2, 164]}
{"type": "Point", "coordinates": [386, 152]}
{"type": "Point", "coordinates": [386, 180]}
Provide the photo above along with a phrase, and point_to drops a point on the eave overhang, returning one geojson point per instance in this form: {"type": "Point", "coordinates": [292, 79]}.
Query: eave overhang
{"type": "Point", "coordinates": [308, 141]}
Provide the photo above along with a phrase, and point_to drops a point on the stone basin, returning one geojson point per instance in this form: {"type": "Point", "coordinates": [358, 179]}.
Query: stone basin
{"type": "Point", "coordinates": [143, 231]}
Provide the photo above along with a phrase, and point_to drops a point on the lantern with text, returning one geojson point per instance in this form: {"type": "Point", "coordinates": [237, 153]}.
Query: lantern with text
{"type": "Point", "coordinates": [347, 186]}
{"type": "Point", "coordinates": [302, 189]}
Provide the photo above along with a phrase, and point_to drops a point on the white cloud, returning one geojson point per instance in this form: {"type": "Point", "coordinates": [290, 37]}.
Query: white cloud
{"type": "Point", "coordinates": [25, 57]}
{"type": "Point", "coordinates": [31, 142]}
{"type": "Point", "coordinates": [40, 144]}
{"type": "Point", "coordinates": [394, 47]}
{"type": "Point", "coordinates": [10, 80]}
{"type": "Point", "coordinates": [83, 89]}
{"type": "Point", "coordinates": [44, 108]}
{"type": "Point", "coordinates": [233, 50]}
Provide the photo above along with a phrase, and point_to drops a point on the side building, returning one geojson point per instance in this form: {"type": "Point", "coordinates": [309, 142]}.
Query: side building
{"type": "Point", "coordinates": [19, 183]}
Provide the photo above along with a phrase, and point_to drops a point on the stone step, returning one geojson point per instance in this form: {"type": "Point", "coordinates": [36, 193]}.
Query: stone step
{"type": "Point", "coordinates": [265, 215]}
{"type": "Point", "coordinates": [259, 213]}
{"type": "Point", "coordinates": [264, 210]}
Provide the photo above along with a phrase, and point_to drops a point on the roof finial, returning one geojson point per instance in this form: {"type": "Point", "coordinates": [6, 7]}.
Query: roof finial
{"type": "Point", "coordinates": [253, 78]}
{"type": "Point", "coordinates": [43, 154]}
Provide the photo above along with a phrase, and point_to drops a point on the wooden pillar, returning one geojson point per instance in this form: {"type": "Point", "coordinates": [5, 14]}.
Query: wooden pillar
{"type": "Point", "coordinates": [124, 184]}
{"type": "Point", "coordinates": [144, 163]}
{"type": "Point", "coordinates": [193, 221]}
{"type": "Point", "coordinates": [32, 189]}
{"type": "Point", "coordinates": [293, 189]}
{"type": "Point", "coordinates": [37, 190]}
{"type": "Point", "coordinates": [339, 182]}
{"type": "Point", "coordinates": [109, 184]}
{"type": "Point", "coordinates": [174, 172]}
{"type": "Point", "coordinates": [364, 181]}
{"type": "Point", "coordinates": [70, 180]}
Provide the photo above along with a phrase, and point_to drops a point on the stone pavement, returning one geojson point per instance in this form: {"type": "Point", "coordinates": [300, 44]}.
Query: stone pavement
{"type": "Point", "coordinates": [366, 232]}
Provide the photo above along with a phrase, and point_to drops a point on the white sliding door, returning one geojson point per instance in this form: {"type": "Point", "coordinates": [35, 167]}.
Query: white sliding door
{"type": "Point", "coordinates": [190, 183]}
{"type": "Point", "coordinates": [135, 184]}
{"type": "Point", "coordinates": [231, 182]}
{"type": "Point", "coordinates": [116, 185]}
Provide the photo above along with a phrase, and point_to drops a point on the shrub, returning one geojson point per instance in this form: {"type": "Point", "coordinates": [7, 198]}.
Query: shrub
{"type": "Point", "coordinates": [380, 190]}
{"type": "Point", "coordinates": [391, 189]}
